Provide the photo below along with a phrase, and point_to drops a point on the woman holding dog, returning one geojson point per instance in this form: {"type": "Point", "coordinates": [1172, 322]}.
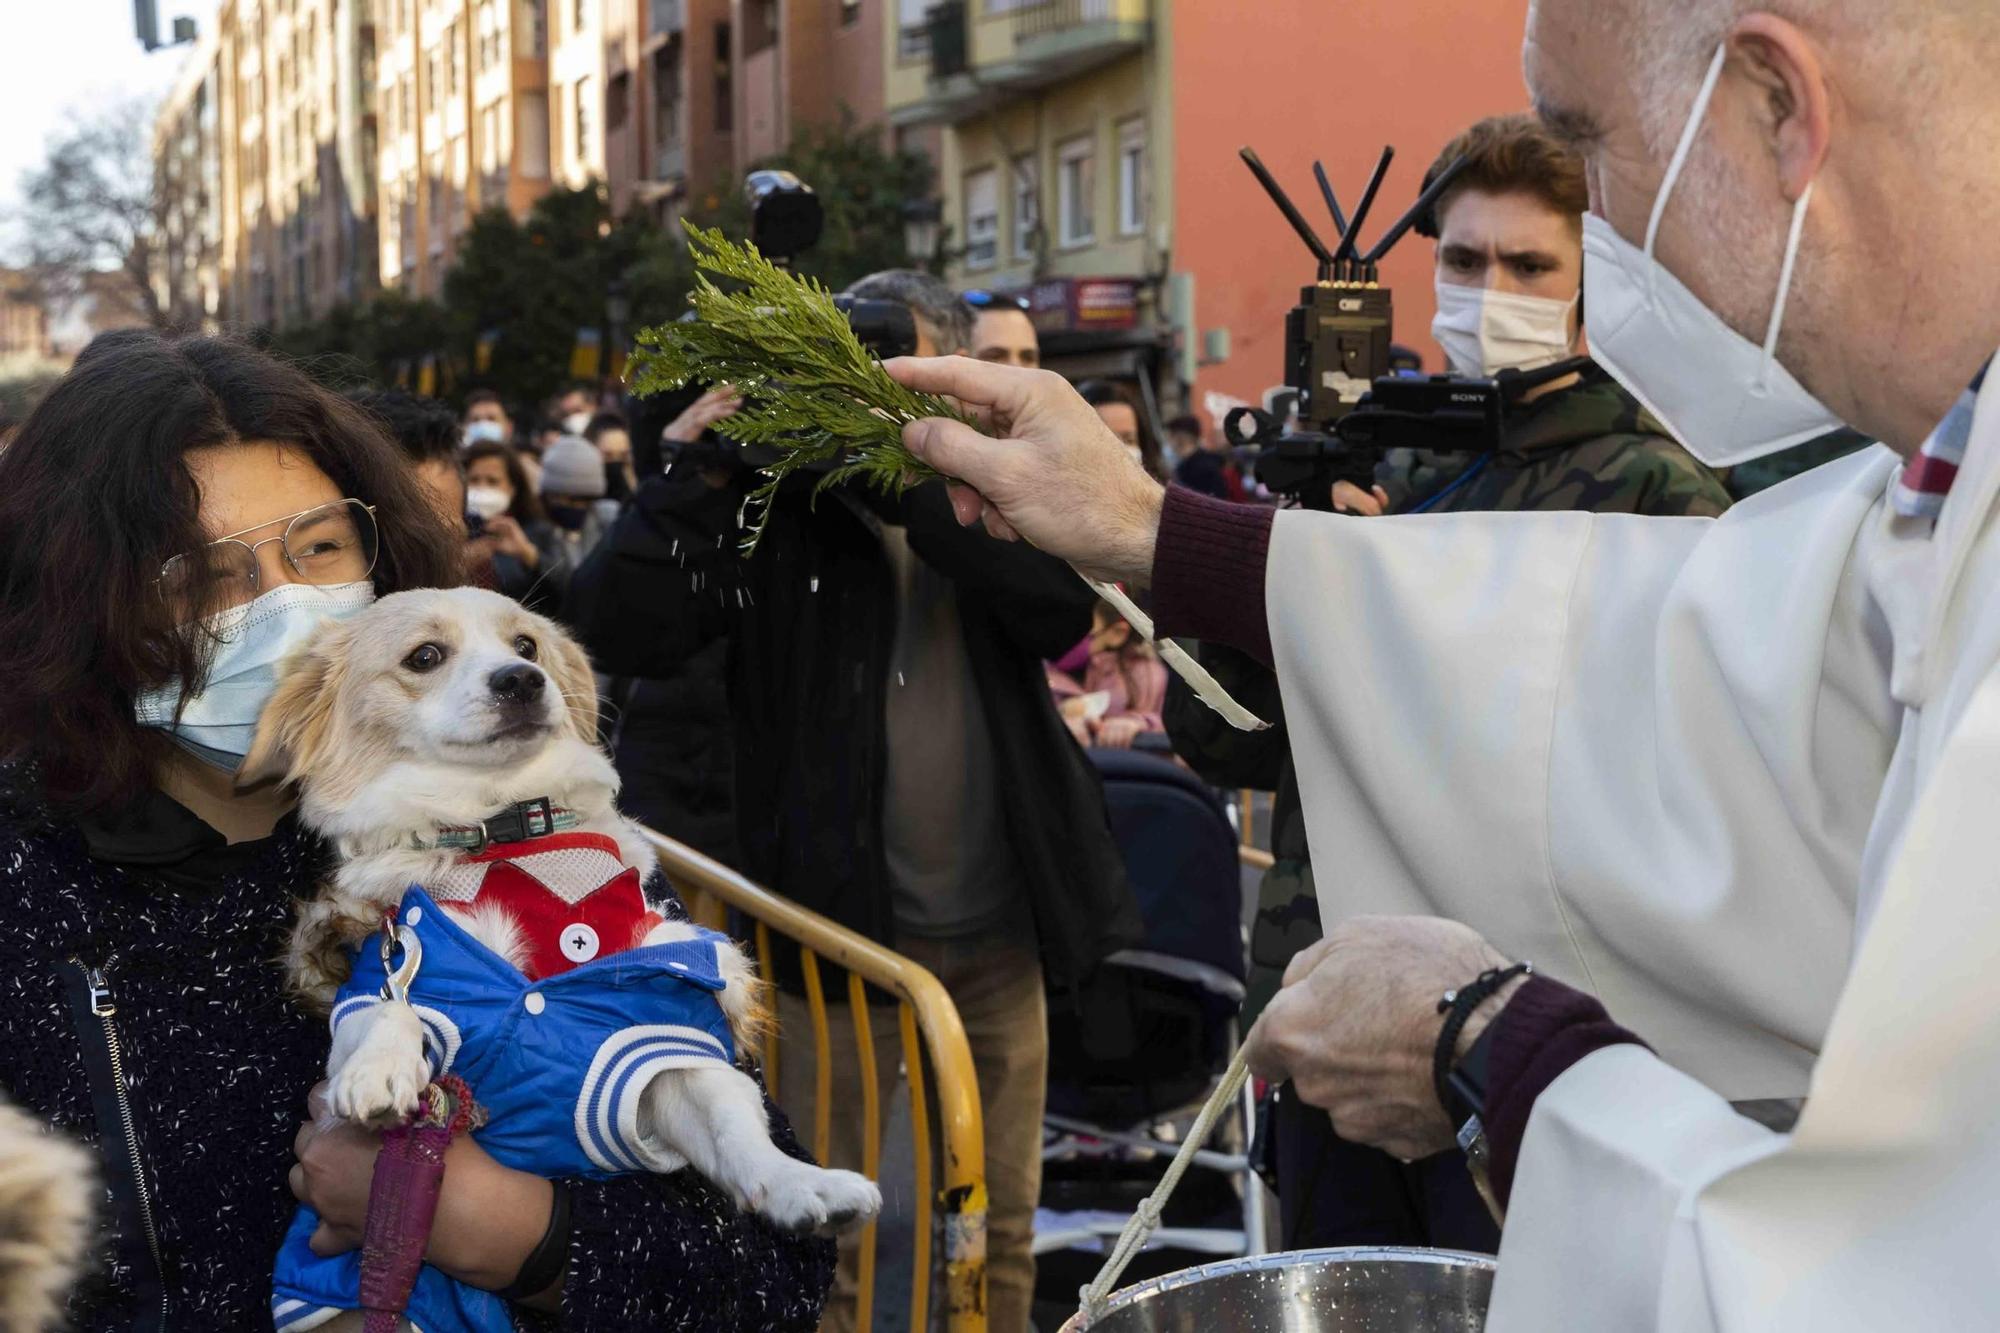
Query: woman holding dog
{"type": "Point", "coordinates": [173, 516]}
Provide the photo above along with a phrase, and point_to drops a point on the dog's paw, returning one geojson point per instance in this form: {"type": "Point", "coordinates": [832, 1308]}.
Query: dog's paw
{"type": "Point", "coordinates": [812, 1198]}
{"type": "Point", "coordinates": [377, 1088]}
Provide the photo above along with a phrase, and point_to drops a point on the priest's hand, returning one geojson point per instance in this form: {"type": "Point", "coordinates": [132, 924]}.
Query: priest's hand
{"type": "Point", "coordinates": [1356, 1022]}
{"type": "Point", "coordinates": [1049, 471]}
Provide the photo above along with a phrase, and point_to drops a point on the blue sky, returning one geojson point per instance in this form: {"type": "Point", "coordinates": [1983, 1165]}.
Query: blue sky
{"type": "Point", "coordinates": [64, 57]}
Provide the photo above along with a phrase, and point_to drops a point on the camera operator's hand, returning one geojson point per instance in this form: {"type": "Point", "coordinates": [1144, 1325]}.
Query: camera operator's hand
{"type": "Point", "coordinates": [1051, 471]}
{"type": "Point", "coordinates": [508, 539]}
{"type": "Point", "coordinates": [1356, 1023]}
{"type": "Point", "coordinates": [1351, 499]}
{"type": "Point", "coordinates": [719, 402]}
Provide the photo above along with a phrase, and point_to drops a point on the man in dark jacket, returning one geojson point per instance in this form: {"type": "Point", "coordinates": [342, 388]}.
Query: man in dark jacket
{"type": "Point", "coordinates": [900, 766]}
{"type": "Point", "coordinates": [1509, 263]}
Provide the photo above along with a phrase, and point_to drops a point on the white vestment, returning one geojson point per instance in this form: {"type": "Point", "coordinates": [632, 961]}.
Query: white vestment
{"type": "Point", "coordinates": [1739, 778]}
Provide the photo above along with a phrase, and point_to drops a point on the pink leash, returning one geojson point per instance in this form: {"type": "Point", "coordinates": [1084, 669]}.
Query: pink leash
{"type": "Point", "coordinates": [403, 1199]}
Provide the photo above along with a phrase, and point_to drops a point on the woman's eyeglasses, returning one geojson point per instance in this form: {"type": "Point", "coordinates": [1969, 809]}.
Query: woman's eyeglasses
{"type": "Point", "coordinates": [332, 543]}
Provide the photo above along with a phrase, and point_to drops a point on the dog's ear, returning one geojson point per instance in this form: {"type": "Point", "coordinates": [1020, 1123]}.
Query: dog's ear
{"type": "Point", "coordinates": [571, 669]}
{"type": "Point", "coordinates": [296, 723]}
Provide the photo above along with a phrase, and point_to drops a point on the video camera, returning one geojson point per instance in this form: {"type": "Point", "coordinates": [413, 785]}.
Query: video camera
{"type": "Point", "coordinates": [785, 221]}
{"type": "Point", "coordinates": [1350, 410]}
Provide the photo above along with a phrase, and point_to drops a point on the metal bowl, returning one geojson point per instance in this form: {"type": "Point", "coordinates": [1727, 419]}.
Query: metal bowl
{"type": "Point", "coordinates": [1355, 1290]}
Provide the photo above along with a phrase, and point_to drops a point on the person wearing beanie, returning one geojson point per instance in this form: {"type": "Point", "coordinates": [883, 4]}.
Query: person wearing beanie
{"type": "Point", "coordinates": [573, 493]}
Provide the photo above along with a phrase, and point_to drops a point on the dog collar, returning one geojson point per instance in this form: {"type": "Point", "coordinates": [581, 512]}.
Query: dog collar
{"type": "Point", "coordinates": [517, 823]}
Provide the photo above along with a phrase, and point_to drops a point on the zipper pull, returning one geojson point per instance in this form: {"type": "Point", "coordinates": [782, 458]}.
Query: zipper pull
{"type": "Point", "coordinates": [100, 988]}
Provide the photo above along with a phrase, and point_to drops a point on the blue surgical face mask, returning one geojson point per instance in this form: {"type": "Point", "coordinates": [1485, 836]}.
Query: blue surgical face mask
{"type": "Point", "coordinates": [484, 432]}
{"type": "Point", "coordinates": [252, 640]}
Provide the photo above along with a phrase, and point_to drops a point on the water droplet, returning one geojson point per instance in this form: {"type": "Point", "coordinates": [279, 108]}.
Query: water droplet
{"type": "Point", "coordinates": [667, 471]}
{"type": "Point", "coordinates": [815, 583]}
{"type": "Point", "coordinates": [900, 680]}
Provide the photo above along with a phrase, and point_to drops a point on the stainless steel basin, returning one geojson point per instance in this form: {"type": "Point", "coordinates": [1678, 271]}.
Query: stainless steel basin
{"type": "Point", "coordinates": [1310, 1291]}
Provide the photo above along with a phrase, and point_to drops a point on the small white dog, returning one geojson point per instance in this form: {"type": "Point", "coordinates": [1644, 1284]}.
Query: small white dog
{"type": "Point", "coordinates": [445, 739]}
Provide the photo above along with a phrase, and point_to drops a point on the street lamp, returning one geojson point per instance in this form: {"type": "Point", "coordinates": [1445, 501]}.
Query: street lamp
{"type": "Point", "coordinates": [923, 225]}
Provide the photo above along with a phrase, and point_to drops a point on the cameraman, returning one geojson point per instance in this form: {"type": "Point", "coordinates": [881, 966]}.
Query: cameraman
{"type": "Point", "coordinates": [900, 766]}
{"type": "Point", "coordinates": [1509, 274]}
{"type": "Point", "coordinates": [1509, 279]}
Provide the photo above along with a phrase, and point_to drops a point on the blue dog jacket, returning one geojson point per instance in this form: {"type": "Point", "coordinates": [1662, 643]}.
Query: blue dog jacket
{"type": "Point", "coordinates": [560, 1065]}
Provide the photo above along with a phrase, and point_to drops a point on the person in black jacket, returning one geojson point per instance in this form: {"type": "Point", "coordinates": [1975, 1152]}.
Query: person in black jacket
{"type": "Point", "coordinates": [145, 901]}
{"type": "Point", "coordinates": [900, 766]}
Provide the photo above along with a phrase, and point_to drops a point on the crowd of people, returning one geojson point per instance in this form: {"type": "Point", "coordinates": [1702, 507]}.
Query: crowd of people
{"type": "Point", "coordinates": [1628, 880]}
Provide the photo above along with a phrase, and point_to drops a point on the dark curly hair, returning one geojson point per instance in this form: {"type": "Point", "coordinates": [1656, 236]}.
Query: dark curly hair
{"type": "Point", "coordinates": [95, 497]}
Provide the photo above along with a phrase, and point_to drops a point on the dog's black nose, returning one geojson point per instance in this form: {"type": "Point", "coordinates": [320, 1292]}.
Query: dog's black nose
{"type": "Point", "coordinates": [517, 683]}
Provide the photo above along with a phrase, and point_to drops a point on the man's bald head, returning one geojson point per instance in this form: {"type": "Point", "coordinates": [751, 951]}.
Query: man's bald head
{"type": "Point", "coordinates": [1883, 108]}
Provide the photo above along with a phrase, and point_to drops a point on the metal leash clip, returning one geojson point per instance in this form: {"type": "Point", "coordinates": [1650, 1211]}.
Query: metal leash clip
{"type": "Point", "coordinates": [396, 979]}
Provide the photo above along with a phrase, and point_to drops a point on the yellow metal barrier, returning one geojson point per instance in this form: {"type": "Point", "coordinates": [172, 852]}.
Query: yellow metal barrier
{"type": "Point", "coordinates": [710, 889]}
{"type": "Point", "coordinates": [1254, 857]}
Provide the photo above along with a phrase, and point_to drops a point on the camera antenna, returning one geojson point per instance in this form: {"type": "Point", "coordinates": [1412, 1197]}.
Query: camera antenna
{"type": "Point", "coordinates": [1292, 214]}
{"type": "Point", "coordinates": [1417, 210]}
{"type": "Point", "coordinates": [1353, 236]}
{"type": "Point", "coordinates": [1332, 201]}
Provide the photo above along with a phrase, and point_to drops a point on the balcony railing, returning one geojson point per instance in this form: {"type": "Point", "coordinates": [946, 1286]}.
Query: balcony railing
{"type": "Point", "coordinates": [946, 25]}
{"type": "Point", "coordinates": [1055, 16]}
{"type": "Point", "coordinates": [666, 17]}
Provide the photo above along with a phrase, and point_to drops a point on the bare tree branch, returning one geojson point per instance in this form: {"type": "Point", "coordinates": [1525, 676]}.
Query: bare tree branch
{"type": "Point", "coordinates": [90, 209]}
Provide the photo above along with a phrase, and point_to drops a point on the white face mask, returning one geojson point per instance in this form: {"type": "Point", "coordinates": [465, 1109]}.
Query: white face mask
{"type": "Point", "coordinates": [484, 432]}
{"type": "Point", "coordinates": [1484, 332]}
{"type": "Point", "coordinates": [576, 423]}
{"type": "Point", "coordinates": [253, 640]}
{"type": "Point", "coordinates": [489, 502]}
{"type": "Point", "coordinates": [1723, 397]}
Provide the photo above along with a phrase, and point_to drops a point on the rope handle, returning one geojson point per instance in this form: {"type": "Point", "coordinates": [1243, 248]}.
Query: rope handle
{"type": "Point", "coordinates": [1145, 1219]}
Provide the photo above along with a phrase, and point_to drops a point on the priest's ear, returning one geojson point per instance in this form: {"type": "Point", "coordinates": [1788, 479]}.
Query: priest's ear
{"type": "Point", "coordinates": [297, 725]}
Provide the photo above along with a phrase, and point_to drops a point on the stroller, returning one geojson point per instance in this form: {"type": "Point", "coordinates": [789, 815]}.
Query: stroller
{"type": "Point", "coordinates": [1154, 1029]}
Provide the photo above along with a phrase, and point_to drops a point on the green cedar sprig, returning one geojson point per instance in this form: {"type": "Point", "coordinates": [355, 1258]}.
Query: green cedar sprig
{"type": "Point", "coordinates": [810, 388]}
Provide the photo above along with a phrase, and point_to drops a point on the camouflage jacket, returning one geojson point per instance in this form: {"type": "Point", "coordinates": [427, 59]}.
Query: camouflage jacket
{"type": "Point", "coordinates": [1588, 447]}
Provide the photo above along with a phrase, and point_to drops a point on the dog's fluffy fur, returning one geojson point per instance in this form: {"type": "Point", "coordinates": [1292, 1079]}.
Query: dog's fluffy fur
{"type": "Point", "coordinates": [385, 748]}
{"type": "Point", "coordinates": [46, 1187]}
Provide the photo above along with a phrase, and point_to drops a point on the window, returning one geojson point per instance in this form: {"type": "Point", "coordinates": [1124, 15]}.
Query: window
{"type": "Point", "coordinates": [531, 132]}
{"type": "Point", "coordinates": [1027, 204]}
{"type": "Point", "coordinates": [579, 18]}
{"type": "Point", "coordinates": [982, 218]}
{"type": "Point", "coordinates": [451, 59]}
{"type": "Point", "coordinates": [1076, 191]}
{"type": "Point", "coordinates": [760, 26]}
{"type": "Point", "coordinates": [1132, 177]}
{"type": "Point", "coordinates": [581, 123]}
{"type": "Point", "coordinates": [850, 13]}
{"type": "Point", "coordinates": [535, 27]}
{"type": "Point", "coordinates": [912, 29]}
{"type": "Point", "coordinates": [617, 101]}
{"type": "Point", "coordinates": [725, 81]}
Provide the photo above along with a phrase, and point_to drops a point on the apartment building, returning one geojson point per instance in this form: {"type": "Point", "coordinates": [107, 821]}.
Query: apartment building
{"type": "Point", "coordinates": [188, 162]}
{"type": "Point", "coordinates": [24, 322]}
{"type": "Point", "coordinates": [669, 114]}
{"type": "Point", "coordinates": [464, 106]}
{"type": "Point", "coordinates": [799, 63]}
{"type": "Point", "coordinates": [1054, 163]}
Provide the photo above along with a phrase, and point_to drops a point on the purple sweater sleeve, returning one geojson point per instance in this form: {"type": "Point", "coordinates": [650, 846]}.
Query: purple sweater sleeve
{"type": "Point", "coordinates": [1208, 571]}
{"type": "Point", "coordinates": [1545, 1028]}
